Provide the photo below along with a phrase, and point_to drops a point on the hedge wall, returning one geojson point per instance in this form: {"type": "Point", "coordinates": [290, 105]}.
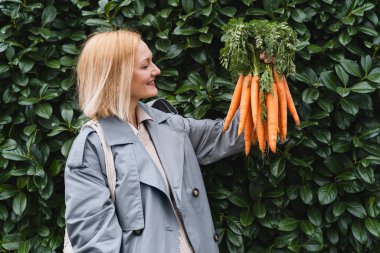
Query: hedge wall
{"type": "Point", "coordinates": [319, 193]}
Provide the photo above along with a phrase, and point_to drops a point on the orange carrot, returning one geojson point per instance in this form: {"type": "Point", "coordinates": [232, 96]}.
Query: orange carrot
{"type": "Point", "coordinates": [254, 98]}
{"type": "Point", "coordinates": [248, 127]}
{"type": "Point", "coordinates": [283, 119]}
{"type": "Point", "coordinates": [291, 107]}
{"type": "Point", "coordinates": [271, 100]}
{"type": "Point", "coordinates": [244, 102]}
{"type": "Point", "coordinates": [235, 102]}
{"type": "Point", "coordinates": [260, 131]}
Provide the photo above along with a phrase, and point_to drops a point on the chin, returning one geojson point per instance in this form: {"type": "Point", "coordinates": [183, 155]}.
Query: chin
{"type": "Point", "coordinates": [151, 93]}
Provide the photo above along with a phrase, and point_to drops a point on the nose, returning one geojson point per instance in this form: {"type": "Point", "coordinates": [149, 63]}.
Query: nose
{"type": "Point", "coordinates": [156, 71]}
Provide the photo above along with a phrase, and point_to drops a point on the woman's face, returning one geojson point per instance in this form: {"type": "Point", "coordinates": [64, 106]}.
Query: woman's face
{"type": "Point", "coordinates": [144, 74]}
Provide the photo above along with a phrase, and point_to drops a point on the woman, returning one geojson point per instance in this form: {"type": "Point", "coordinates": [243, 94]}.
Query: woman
{"type": "Point", "coordinates": [160, 199]}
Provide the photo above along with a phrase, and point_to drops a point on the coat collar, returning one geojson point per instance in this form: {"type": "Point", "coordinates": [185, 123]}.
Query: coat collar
{"type": "Point", "coordinates": [117, 131]}
{"type": "Point", "coordinates": [168, 142]}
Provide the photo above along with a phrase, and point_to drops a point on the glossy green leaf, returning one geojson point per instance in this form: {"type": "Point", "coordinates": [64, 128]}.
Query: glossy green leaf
{"type": "Point", "coordinates": [97, 22]}
{"type": "Point", "coordinates": [366, 63]}
{"type": "Point", "coordinates": [288, 224]}
{"type": "Point", "coordinates": [306, 227]}
{"type": "Point", "coordinates": [201, 111]}
{"type": "Point", "coordinates": [373, 226]}
{"type": "Point", "coordinates": [44, 110]}
{"type": "Point", "coordinates": [349, 106]}
{"type": "Point", "coordinates": [306, 193]}
{"type": "Point", "coordinates": [238, 200]}
{"type": "Point", "coordinates": [43, 231]}
{"type": "Point", "coordinates": [322, 135]}
{"type": "Point", "coordinates": [338, 208]}
{"type": "Point", "coordinates": [9, 144]}
{"type": "Point", "coordinates": [307, 75]}
{"type": "Point", "coordinates": [246, 217]}
{"type": "Point", "coordinates": [333, 235]}
{"type": "Point", "coordinates": [344, 38]}
{"type": "Point", "coordinates": [19, 203]}
{"type": "Point", "coordinates": [228, 11]}
{"type": "Point", "coordinates": [162, 45]}
{"type": "Point", "coordinates": [277, 167]}
{"type": "Point", "coordinates": [15, 155]}
{"type": "Point", "coordinates": [206, 38]}
{"type": "Point", "coordinates": [374, 75]}
{"type": "Point", "coordinates": [329, 79]}
{"type": "Point", "coordinates": [341, 146]}
{"type": "Point", "coordinates": [343, 76]}
{"type": "Point", "coordinates": [235, 227]}
{"type": "Point", "coordinates": [310, 95]}
{"type": "Point", "coordinates": [355, 208]}
{"type": "Point", "coordinates": [359, 232]}
{"type": "Point", "coordinates": [343, 92]}
{"type": "Point", "coordinates": [351, 67]}
{"type": "Point", "coordinates": [366, 174]}
{"type": "Point", "coordinates": [55, 64]}
{"type": "Point", "coordinates": [259, 209]}
{"type": "Point", "coordinates": [48, 15]}
{"type": "Point", "coordinates": [187, 5]}
{"type": "Point", "coordinates": [26, 65]}
{"type": "Point", "coordinates": [67, 112]}
{"type": "Point", "coordinates": [199, 56]}
{"type": "Point", "coordinates": [327, 193]}
{"type": "Point", "coordinates": [4, 69]}
{"type": "Point", "coordinates": [235, 239]}
{"type": "Point", "coordinates": [174, 51]}
{"type": "Point", "coordinates": [65, 149]}
{"type": "Point", "coordinates": [169, 72]}
{"type": "Point", "coordinates": [7, 191]}
{"type": "Point", "coordinates": [70, 49]}
{"type": "Point", "coordinates": [362, 87]}
{"type": "Point", "coordinates": [368, 30]}
{"type": "Point", "coordinates": [173, 3]}
{"type": "Point", "coordinates": [24, 247]}
{"type": "Point", "coordinates": [298, 15]}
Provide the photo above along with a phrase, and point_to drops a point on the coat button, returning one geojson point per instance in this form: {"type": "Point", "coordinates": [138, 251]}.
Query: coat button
{"type": "Point", "coordinates": [216, 238]}
{"type": "Point", "coordinates": [137, 232]}
{"type": "Point", "coordinates": [195, 192]}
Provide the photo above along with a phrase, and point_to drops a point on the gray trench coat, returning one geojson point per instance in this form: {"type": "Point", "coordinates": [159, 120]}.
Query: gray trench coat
{"type": "Point", "coordinates": [142, 218]}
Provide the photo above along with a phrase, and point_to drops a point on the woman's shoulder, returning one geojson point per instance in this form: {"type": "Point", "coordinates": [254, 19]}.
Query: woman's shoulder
{"type": "Point", "coordinates": [85, 137]}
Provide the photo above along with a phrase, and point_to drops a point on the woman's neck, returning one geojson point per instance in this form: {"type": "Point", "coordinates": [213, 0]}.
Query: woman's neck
{"type": "Point", "coordinates": [132, 119]}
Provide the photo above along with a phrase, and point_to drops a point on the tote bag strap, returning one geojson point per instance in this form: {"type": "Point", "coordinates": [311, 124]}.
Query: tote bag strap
{"type": "Point", "coordinates": [108, 157]}
{"type": "Point", "coordinates": [110, 170]}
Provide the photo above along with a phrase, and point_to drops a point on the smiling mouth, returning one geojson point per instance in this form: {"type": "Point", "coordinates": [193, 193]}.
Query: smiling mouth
{"type": "Point", "coordinates": [151, 82]}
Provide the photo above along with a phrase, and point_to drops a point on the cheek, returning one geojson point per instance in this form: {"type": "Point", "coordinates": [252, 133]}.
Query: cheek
{"type": "Point", "coordinates": [139, 77]}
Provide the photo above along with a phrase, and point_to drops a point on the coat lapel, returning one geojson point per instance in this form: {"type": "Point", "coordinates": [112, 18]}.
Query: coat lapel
{"type": "Point", "coordinates": [169, 145]}
{"type": "Point", "coordinates": [118, 132]}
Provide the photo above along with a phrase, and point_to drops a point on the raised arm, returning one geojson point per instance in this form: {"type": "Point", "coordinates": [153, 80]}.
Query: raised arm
{"type": "Point", "coordinates": [210, 142]}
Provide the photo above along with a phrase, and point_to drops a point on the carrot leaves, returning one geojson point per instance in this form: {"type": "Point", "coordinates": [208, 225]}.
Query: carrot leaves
{"type": "Point", "coordinates": [245, 41]}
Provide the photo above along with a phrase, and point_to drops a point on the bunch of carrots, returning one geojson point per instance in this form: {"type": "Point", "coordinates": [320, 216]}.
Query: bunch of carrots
{"type": "Point", "coordinates": [262, 94]}
{"type": "Point", "coordinates": [247, 96]}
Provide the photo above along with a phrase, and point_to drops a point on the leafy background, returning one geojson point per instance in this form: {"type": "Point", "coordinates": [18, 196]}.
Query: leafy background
{"type": "Point", "coordinates": [319, 193]}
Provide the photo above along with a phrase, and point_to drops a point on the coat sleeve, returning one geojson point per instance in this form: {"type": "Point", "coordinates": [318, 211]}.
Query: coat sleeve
{"type": "Point", "coordinates": [91, 220]}
{"type": "Point", "coordinates": [210, 142]}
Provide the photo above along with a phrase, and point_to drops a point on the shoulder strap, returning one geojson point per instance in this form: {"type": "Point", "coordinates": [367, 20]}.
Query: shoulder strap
{"type": "Point", "coordinates": [162, 105]}
{"type": "Point", "coordinates": [108, 157]}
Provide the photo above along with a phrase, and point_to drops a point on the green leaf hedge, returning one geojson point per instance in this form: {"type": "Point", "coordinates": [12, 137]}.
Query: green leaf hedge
{"type": "Point", "coordinates": [319, 193]}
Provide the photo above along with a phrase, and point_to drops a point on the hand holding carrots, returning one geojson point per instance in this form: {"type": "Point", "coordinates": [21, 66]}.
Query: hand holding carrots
{"type": "Point", "coordinates": [262, 94]}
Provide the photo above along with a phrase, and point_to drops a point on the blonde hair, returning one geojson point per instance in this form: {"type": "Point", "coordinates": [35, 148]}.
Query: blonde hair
{"type": "Point", "coordinates": [104, 73]}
